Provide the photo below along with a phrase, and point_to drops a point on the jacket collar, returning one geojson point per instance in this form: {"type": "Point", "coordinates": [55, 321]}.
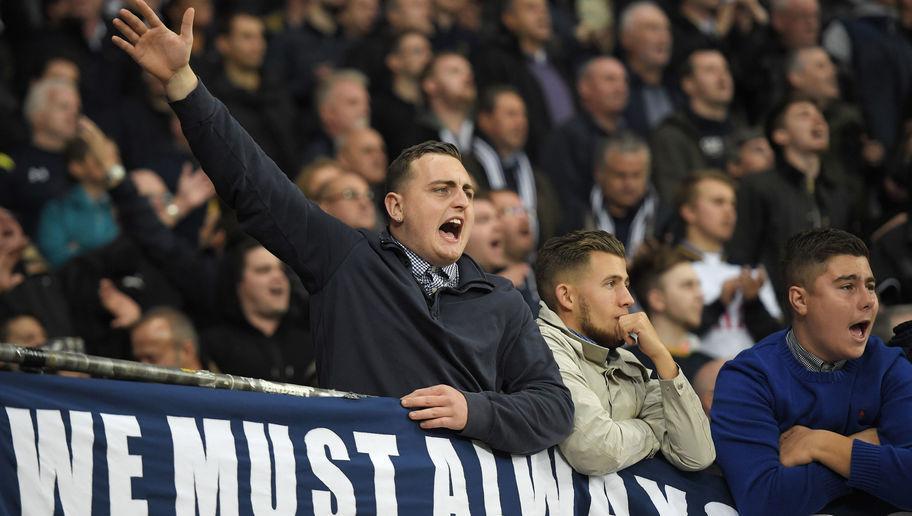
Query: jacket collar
{"type": "Point", "coordinates": [471, 274]}
{"type": "Point", "coordinates": [584, 348]}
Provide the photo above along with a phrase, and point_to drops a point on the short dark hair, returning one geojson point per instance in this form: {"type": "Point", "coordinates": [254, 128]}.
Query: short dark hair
{"type": "Point", "coordinates": [776, 117]}
{"type": "Point", "coordinates": [487, 103]}
{"type": "Point", "coordinates": [806, 253]}
{"type": "Point", "coordinates": [225, 23]}
{"type": "Point", "coordinates": [569, 253]}
{"type": "Point", "coordinates": [686, 68]}
{"type": "Point", "coordinates": [400, 168]}
{"type": "Point", "coordinates": [649, 267]}
{"type": "Point", "coordinates": [429, 69]}
{"type": "Point", "coordinates": [687, 191]}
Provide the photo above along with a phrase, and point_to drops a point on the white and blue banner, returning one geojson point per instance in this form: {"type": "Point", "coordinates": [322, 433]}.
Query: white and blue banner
{"type": "Point", "coordinates": [98, 447]}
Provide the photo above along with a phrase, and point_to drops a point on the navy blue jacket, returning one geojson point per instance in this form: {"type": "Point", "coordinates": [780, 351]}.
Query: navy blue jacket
{"type": "Point", "coordinates": [373, 329]}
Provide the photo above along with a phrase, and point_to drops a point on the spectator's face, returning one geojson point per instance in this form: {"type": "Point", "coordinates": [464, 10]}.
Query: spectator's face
{"type": "Point", "coordinates": [153, 343]}
{"type": "Point", "coordinates": [60, 113]}
{"type": "Point", "coordinates": [798, 24]}
{"type": "Point", "coordinates": [245, 45]}
{"type": "Point", "coordinates": [412, 56]}
{"type": "Point", "coordinates": [25, 331]}
{"type": "Point", "coordinates": [264, 288]}
{"type": "Point", "coordinates": [754, 156]}
{"type": "Point", "coordinates": [507, 125]}
{"type": "Point", "coordinates": [364, 153]}
{"type": "Point", "coordinates": [804, 129]}
{"type": "Point", "coordinates": [648, 39]}
{"type": "Point", "coordinates": [350, 199]}
{"type": "Point", "coordinates": [711, 81]}
{"type": "Point", "coordinates": [320, 177]}
{"type": "Point", "coordinates": [838, 309]}
{"type": "Point", "coordinates": [435, 208]}
{"type": "Point", "coordinates": [603, 88]}
{"type": "Point", "coordinates": [712, 212]}
{"type": "Point", "coordinates": [358, 16]}
{"type": "Point", "coordinates": [624, 178]}
{"type": "Point", "coordinates": [602, 296]}
{"type": "Point", "coordinates": [486, 243]}
{"type": "Point", "coordinates": [529, 19]}
{"type": "Point", "coordinates": [816, 75]}
{"type": "Point", "coordinates": [347, 107]}
{"type": "Point", "coordinates": [452, 80]}
{"type": "Point", "coordinates": [411, 15]}
{"type": "Point", "coordinates": [517, 227]}
{"type": "Point", "coordinates": [679, 296]}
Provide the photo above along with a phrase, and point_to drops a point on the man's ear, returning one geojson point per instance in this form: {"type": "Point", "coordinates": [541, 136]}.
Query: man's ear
{"type": "Point", "coordinates": [798, 298]}
{"type": "Point", "coordinates": [687, 86]}
{"type": "Point", "coordinates": [780, 137]}
{"type": "Point", "coordinates": [394, 207]}
{"type": "Point", "coordinates": [687, 213]}
{"type": "Point", "coordinates": [656, 301]}
{"type": "Point", "coordinates": [566, 297]}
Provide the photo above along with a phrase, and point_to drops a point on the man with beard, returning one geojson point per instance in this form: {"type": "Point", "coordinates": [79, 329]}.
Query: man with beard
{"type": "Point", "coordinates": [621, 415]}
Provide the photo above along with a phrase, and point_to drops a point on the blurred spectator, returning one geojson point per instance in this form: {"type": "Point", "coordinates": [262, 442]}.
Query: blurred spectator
{"type": "Point", "coordinates": [261, 334]}
{"type": "Point", "coordinates": [570, 154]}
{"type": "Point", "coordinates": [257, 99]}
{"type": "Point", "coordinates": [713, 24]}
{"type": "Point", "coordinates": [668, 289]}
{"type": "Point", "coordinates": [526, 58]}
{"type": "Point", "coordinates": [811, 73]}
{"type": "Point", "coordinates": [203, 54]}
{"type": "Point", "coordinates": [704, 383]}
{"type": "Point", "coordinates": [519, 244]}
{"type": "Point", "coordinates": [749, 152]}
{"type": "Point", "coordinates": [349, 198]}
{"type": "Point", "coordinates": [398, 104]}
{"type": "Point", "coordinates": [741, 306]}
{"type": "Point", "coordinates": [451, 33]}
{"type": "Point", "coordinates": [166, 337]}
{"type": "Point", "coordinates": [695, 136]}
{"type": "Point", "coordinates": [40, 174]}
{"type": "Point", "coordinates": [645, 37]}
{"type": "Point", "coordinates": [362, 152]}
{"type": "Point", "coordinates": [23, 330]}
{"type": "Point", "coordinates": [623, 202]}
{"type": "Point", "coordinates": [343, 104]}
{"type": "Point", "coordinates": [449, 90]}
{"type": "Point", "coordinates": [82, 219]}
{"type": "Point", "coordinates": [313, 176]}
{"type": "Point", "coordinates": [194, 190]}
{"type": "Point", "coordinates": [800, 193]}
{"type": "Point", "coordinates": [356, 18]}
{"type": "Point", "coordinates": [498, 161]}
{"type": "Point", "coordinates": [891, 260]}
{"type": "Point", "coordinates": [486, 242]}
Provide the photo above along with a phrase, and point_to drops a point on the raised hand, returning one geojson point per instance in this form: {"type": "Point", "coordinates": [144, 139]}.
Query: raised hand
{"type": "Point", "coordinates": [157, 49]}
{"type": "Point", "coordinates": [193, 188]}
{"type": "Point", "coordinates": [122, 308]}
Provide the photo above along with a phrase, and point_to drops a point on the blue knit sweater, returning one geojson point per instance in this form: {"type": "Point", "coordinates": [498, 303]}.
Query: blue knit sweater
{"type": "Point", "coordinates": [765, 391]}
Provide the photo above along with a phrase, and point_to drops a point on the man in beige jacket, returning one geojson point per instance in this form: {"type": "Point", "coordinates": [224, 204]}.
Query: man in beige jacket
{"type": "Point", "coordinates": [622, 416]}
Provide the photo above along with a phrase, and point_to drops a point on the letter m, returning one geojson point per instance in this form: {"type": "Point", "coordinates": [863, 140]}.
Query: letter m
{"type": "Point", "coordinates": [204, 475]}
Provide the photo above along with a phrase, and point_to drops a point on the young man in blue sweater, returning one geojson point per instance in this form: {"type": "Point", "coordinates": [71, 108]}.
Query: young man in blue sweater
{"type": "Point", "coordinates": [402, 313]}
{"type": "Point", "coordinates": [814, 412]}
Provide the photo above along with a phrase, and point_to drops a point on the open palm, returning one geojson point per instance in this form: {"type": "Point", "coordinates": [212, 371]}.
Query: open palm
{"type": "Point", "coordinates": [153, 46]}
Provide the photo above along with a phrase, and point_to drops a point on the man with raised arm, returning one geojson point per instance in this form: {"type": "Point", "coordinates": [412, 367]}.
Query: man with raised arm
{"type": "Point", "coordinates": [401, 313]}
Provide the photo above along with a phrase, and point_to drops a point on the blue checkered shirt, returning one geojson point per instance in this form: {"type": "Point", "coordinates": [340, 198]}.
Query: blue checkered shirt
{"type": "Point", "coordinates": [808, 359]}
{"type": "Point", "coordinates": [430, 277]}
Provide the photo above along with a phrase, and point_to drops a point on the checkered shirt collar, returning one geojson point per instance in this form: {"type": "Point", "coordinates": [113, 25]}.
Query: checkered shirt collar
{"type": "Point", "coordinates": [429, 277]}
{"type": "Point", "coordinates": [807, 359]}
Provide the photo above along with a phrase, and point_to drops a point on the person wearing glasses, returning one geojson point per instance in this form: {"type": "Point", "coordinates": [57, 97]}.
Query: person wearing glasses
{"type": "Point", "coordinates": [350, 199]}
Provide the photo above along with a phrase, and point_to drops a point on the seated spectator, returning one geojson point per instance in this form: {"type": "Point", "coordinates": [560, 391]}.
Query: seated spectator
{"type": "Point", "coordinates": [350, 199]}
{"type": "Point", "coordinates": [486, 242]}
{"type": "Point", "coordinates": [51, 109]}
{"type": "Point", "coordinates": [623, 202]}
{"type": "Point", "coordinates": [343, 104]}
{"type": "Point", "coordinates": [449, 91]}
{"type": "Point", "coordinates": [800, 193]}
{"type": "Point", "coordinates": [569, 155]}
{"type": "Point", "coordinates": [23, 330]}
{"type": "Point", "coordinates": [749, 152]}
{"type": "Point", "coordinates": [694, 137]}
{"type": "Point", "coordinates": [166, 337]}
{"type": "Point", "coordinates": [667, 288]}
{"type": "Point", "coordinates": [519, 244]}
{"type": "Point", "coordinates": [261, 334]}
{"type": "Point", "coordinates": [741, 305]}
{"type": "Point", "coordinates": [82, 219]}
{"type": "Point", "coordinates": [363, 152]}
{"type": "Point", "coordinates": [498, 160]}
{"type": "Point", "coordinates": [822, 409]}
{"type": "Point", "coordinates": [621, 415]}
